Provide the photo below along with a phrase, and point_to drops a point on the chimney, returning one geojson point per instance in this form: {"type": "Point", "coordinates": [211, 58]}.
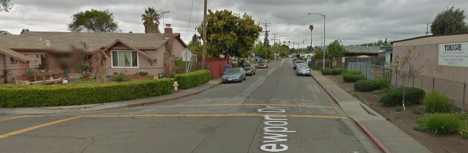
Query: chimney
{"type": "Point", "coordinates": [167, 31]}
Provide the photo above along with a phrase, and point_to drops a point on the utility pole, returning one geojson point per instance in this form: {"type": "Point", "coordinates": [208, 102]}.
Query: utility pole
{"type": "Point", "coordinates": [274, 42]}
{"type": "Point", "coordinates": [204, 35]}
{"type": "Point", "coordinates": [266, 38]}
{"type": "Point", "coordinates": [427, 28]}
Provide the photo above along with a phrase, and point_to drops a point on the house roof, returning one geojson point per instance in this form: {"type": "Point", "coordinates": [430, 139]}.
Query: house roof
{"type": "Point", "coordinates": [420, 37]}
{"type": "Point", "coordinates": [65, 41]}
{"type": "Point", "coordinates": [362, 49]}
{"type": "Point", "coordinates": [14, 54]}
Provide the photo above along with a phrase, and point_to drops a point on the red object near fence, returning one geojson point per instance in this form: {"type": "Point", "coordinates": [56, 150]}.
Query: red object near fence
{"type": "Point", "coordinates": [216, 65]}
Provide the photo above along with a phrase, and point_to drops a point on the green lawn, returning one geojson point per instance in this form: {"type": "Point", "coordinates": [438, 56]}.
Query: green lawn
{"type": "Point", "coordinates": [254, 63]}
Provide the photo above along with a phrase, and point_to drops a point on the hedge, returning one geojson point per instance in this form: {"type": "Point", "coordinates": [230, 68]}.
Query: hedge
{"type": "Point", "coordinates": [366, 85]}
{"type": "Point", "coordinates": [326, 71]}
{"type": "Point", "coordinates": [80, 94]}
{"type": "Point", "coordinates": [193, 79]}
{"type": "Point", "coordinates": [353, 78]}
{"type": "Point", "coordinates": [395, 96]}
{"type": "Point", "coordinates": [336, 71]}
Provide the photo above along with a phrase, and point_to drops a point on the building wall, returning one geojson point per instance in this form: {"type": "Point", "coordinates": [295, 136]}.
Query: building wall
{"type": "Point", "coordinates": [35, 58]}
{"type": "Point", "coordinates": [178, 48]}
{"type": "Point", "coordinates": [445, 79]}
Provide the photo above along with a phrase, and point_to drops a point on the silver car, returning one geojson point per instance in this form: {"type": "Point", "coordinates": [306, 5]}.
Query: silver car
{"type": "Point", "coordinates": [250, 70]}
{"type": "Point", "coordinates": [234, 75]}
{"type": "Point", "coordinates": [303, 69]}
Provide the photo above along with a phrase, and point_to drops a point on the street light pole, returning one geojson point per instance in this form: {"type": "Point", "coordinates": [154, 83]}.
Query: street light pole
{"type": "Point", "coordinates": [323, 47]}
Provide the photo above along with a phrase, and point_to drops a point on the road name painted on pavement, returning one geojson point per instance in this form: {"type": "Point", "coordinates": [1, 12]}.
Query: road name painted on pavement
{"type": "Point", "coordinates": [274, 129]}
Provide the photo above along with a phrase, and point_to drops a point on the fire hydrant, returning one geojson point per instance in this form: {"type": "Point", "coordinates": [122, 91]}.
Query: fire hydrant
{"type": "Point", "coordinates": [176, 85]}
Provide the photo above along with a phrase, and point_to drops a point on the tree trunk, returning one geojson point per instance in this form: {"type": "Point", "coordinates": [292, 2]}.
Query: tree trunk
{"type": "Point", "coordinates": [404, 95]}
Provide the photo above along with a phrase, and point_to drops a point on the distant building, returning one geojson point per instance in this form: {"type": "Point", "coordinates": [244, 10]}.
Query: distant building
{"type": "Point", "coordinates": [4, 33]}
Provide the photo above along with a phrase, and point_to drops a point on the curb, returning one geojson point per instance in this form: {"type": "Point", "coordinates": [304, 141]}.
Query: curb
{"type": "Point", "coordinates": [364, 129]}
{"type": "Point", "coordinates": [169, 99]}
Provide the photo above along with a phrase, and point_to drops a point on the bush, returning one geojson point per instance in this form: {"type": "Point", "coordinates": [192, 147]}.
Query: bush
{"type": "Point", "coordinates": [141, 73]}
{"type": "Point", "coordinates": [437, 103]}
{"type": "Point", "coordinates": [121, 77]}
{"type": "Point", "coordinates": [353, 78]}
{"type": "Point", "coordinates": [395, 96]}
{"type": "Point", "coordinates": [337, 71]}
{"type": "Point", "coordinates": [383, 83]}
{"type": "Point", "coordinates": [439, 123]}
{"type": "Point", "coordinates": [80, 94]}
{"type": "Point", "coordinates": [463, 130]}
{"type": "Point", "coordinates": [366, 85]}
{"type": "Point", "coordinates": [326, 71]}
{"type": "Point", "coordinates": [193, 79]}
{"type": "Point", "coordinates": [353, 73]}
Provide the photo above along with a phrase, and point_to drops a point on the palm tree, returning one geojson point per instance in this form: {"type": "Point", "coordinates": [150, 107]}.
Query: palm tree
{"type": "Point", "coordinates": [151, 20]}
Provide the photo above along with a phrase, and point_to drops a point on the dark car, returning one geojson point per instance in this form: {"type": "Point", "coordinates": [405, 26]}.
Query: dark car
{"type": "Point", "coordinates": [303, 69]}
{"type": "Point", "coordinates": [263, 64]}
{"type": "Point", "coordinates": [234, 75]}
{"type": "Point", "coordinates": [297, 62]}
{"type": "Point", "coordinates": [250, 69]}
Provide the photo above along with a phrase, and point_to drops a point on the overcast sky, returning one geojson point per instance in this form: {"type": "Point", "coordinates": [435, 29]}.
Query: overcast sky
{"type": "Point", "coordinates": [352, 21]}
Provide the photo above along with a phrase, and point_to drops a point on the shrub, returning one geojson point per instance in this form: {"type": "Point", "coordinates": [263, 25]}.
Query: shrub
{"type": "Point", "coordinates": [326, 71]}
{"type": "Point", "coordinates": [353, 73]}
{"type": "Point", "coordinates": [435, 102]}
{"type": "Point", "coordinates": [80, 94]}
{"type": "Point", "coordinates": [193, 79]}
{"type": "Point", "coordinates": [395, 96]}
{"type": "Point", "coordinates": [439, 123]}
{"type": "Point", "coordinates": [353, 78]}
{"type": "Point", "coordinates": [336, 71]}
{"type": "Point", "coordinates": [398, 108]}
{"type": "Point", "coordinates": [463, 130]}
{"type": "Point", "coordinates": [366, 85]}
{"type": "Point", "coordinates": [121, 77]}
{"type": "Point", "coordinates": [142, 73]}
{"type": "Point", "coordinates": [383, 83]}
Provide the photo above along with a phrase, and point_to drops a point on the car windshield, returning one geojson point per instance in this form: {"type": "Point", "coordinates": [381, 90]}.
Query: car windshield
{"type": "Point", "coordinates": [233, 70]}
{"type": "Point", "coordinates": [298, 61]}
{"type": "Point", "coordinates": [262, 61]}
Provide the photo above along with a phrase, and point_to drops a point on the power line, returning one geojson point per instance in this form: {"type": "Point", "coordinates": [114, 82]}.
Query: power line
{"type": "Point", "coordinates": [190, 18]}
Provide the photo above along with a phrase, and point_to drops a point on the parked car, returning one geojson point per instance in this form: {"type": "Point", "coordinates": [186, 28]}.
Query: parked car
{"type": "Point", "coordinates": [263, 64]}
{"type": "Point", "coordinates": [303, 69]}
{"type": "Point", "coordinates": [297, 62]}
{"type": "Point", "coordinates": [278, 57]}
{"type": "Point", "coordinates": [250, 69]}
{"type": "Point", "coordinates": [234, 75]}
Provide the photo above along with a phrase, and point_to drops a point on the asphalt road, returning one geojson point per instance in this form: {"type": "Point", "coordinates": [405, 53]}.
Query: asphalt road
{"type": "Point", "coordinates": [274, 110]}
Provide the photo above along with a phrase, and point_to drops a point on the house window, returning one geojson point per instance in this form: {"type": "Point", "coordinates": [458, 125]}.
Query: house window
{"type": "Point", "coordinates": [13, 61]}
{"type": "Point", "coordinates": [125, 59]}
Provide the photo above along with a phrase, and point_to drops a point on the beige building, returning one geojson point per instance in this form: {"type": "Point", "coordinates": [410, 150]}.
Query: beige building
{"type": "Point", "coordinates": [446, 70]}
{"type": "Point", "coordinates": [127, 52]}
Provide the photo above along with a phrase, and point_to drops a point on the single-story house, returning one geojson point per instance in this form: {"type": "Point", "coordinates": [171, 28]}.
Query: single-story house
{"type": "Point", "coordinates": [362, 50]}
{"type": "Point", "coordinates": [126, 52]}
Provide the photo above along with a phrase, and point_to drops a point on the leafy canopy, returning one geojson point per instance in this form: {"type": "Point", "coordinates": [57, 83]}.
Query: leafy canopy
{"type": "Point", "coordinates": [150, 20]}
{"type": "Point", "coordinates": [5, 5]}
{"type": "Point", "coordinates": [449, 21]}
{"type": "Point", "coordinates": [230, 34]}
{"type": "Point", "coordinates": [335, 49]}
{"type": "Point", "coordinates": [93, 21]}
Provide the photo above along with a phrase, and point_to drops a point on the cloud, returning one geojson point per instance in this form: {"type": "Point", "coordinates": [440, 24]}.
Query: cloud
{"type": "Point", "coordinates": [352, 21]}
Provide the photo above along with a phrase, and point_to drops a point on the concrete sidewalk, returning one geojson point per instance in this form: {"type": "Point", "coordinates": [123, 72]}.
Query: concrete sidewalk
{"type": "Point", "coordinates": [386, 136]}
{"type": "Point", "coordinates": [111, 105]}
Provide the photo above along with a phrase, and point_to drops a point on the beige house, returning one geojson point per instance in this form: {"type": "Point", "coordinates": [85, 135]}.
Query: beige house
{"type": "Point", "coordinates": [128, 52]}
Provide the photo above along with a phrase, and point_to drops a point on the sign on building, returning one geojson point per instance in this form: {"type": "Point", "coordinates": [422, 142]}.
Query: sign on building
{"type": "Point", "coordinates": [453, 54]}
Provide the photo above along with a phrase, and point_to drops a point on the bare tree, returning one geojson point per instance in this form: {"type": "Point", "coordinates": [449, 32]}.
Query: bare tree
{"type": "Point", "coordinates": [98, 61]}
{"type": "Point", "coordinates": [406, 67]}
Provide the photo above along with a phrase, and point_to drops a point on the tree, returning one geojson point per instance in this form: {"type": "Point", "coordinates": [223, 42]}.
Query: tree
{"type": "Point", "coordinates": [24, 30]}
{"type": "Point", "coordinates": [150, 20]}
{"type": "Point", "coordinates": [195, 45]}
{"type": "Point", "coordinates": [230, 34]}
{"type": "Point", "coordinates": [335, 49]}
{"type": "Point", "coordinates": [318, 53]}
{"type": "Point", "coordinates": [5, 5]}
{"type": "Point", "coordinates": [93, 21]}
{"type": "Point", "coordinates": [449, 21]}
{"type": "Point", "coordinates": [406, 67]}
{"type": "Point", "coordinates": [257, 49]}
